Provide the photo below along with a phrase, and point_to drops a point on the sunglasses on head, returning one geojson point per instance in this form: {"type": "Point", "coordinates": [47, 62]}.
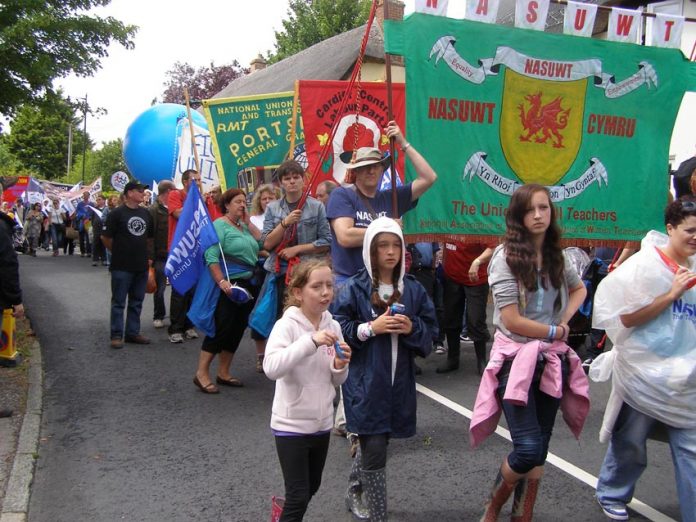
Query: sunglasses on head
{"type": "Point", "coordinates": [689, 206]}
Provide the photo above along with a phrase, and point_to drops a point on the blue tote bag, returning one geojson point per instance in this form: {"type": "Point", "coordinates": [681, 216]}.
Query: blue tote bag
{"type": "Point", "coordinates": [263, 316]}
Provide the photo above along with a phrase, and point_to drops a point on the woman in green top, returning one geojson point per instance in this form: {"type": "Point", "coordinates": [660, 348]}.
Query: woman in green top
{"type": "Point", "coordinates": [239, 241]}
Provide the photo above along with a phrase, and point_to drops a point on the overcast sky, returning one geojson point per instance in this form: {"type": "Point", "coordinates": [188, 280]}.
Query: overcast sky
{"type": "Point", "coordinates": [199, 32]}
{"type": "Point", "coordinates": [196, 32]}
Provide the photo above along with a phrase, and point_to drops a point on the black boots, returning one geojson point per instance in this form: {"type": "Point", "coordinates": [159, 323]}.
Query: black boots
{"type": "Point", "coordinates": [453, 351]}
{"type": "Point", "coordinates": [452, 361]}
{"type": "Point", "coordinates": [480, 348]}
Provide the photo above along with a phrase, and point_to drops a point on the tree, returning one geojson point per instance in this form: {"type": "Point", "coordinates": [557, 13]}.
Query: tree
{"type": "Point", "coordinates": [311, 21]}
{"type": "Point", "coordinates": [100, 163]}
{"type": "Point", "coordinates": [41, 40]}
{"type": "Point", "coordinates": [39, 136]}
{"type": "Point", "coordinates": [9, 165]}
{"type": "Point", "coordinates": [202, 83]}
{"type": "Point", "coordinates": [106, 161]}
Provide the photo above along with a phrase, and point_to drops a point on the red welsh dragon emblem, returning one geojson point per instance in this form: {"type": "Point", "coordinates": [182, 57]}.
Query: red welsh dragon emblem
{"type": "Point", "coordinates": [542, 122]}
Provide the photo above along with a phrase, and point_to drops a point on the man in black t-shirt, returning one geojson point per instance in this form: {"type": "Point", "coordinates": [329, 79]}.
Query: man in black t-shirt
{"type": "Point", "coordinates": [128, 233]}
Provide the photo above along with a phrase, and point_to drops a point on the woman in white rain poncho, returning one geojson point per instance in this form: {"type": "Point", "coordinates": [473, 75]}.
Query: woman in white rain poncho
{"type": "Point", "coordinates": [648, 308]}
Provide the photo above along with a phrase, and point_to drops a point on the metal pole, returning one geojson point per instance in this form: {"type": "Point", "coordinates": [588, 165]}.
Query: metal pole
{"type": "Point", "coordinates": [70, 138]}
{"type": "Point", "coordinates": [84, 139]}
{"type": "Point", "coordinates": [390, 116]}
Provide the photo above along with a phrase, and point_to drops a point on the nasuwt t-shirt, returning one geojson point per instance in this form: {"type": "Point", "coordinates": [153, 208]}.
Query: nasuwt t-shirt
{"type": "Point", "coordinates": [345, 202]}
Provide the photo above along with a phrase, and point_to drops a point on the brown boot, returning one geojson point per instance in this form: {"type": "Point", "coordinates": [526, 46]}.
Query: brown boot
{"type": "Point", "coordinates": [499, 494]}
{"type": "Point", "coordinates": [525, 497]}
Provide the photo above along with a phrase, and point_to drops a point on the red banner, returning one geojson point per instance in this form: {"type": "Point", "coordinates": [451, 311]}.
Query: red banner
{"type": "Point", "coordinates": [14, 186]}
{"type": "Point", "coordinates": [361, 124]}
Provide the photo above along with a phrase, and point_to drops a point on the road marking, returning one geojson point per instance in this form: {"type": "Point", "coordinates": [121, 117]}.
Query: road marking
{"type": "Point", "coordinates": [636, 505]}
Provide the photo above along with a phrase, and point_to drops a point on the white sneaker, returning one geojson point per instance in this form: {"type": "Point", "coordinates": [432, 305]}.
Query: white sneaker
{"type": "Point", "coordinates": [465, 338]}
{"type": "Point", "coordinates": [439, 348]}
{"type": "Point", "coordinates": [158, 323]}
{"type": "Point", "coordinates": [176, 338]}
{"type": "Point", "coordinates": [614, 511]}
{"type": "Point", "coordinates": [191, 334]}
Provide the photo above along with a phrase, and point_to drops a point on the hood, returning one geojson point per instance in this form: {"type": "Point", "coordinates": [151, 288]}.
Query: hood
{"type": "Point", "coordinates": [379, 225]}
{"type": "Point", "coordinates": [294, 314]}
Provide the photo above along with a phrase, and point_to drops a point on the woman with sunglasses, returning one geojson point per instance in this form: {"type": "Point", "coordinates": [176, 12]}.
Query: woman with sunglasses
{"type": "Point", "coordinates": [648, 308]}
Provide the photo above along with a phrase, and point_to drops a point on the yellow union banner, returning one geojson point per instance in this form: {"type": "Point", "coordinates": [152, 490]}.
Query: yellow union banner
{"type": "Point", "coordinates": [251, 131]}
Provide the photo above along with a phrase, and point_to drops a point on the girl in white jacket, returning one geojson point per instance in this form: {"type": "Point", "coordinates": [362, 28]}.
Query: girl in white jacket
{"type": "Point", "coordinates": [307, 357]}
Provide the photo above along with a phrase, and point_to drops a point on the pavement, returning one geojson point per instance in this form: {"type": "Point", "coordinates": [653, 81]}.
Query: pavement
{"type": "Point", "coordinates": [125, 435]}
{"type": "Point", "coordinates": [18, 451]}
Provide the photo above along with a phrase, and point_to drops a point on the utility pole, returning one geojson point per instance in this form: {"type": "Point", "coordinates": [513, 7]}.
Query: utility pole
{"type": "Point", "coordinates": [70, 138]}
{"type": "Point", "coordinates": [84, 139]}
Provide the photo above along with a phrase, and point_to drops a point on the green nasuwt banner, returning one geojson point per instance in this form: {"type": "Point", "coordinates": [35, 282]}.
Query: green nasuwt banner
{"type": "Point", "coordinates": [493, 107]}
{"type": "Point", "coordinates": [250, 131]}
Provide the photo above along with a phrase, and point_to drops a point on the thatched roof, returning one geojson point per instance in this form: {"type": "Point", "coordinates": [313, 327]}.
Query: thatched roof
{"type": "Point", "coordinates": [332, 59]}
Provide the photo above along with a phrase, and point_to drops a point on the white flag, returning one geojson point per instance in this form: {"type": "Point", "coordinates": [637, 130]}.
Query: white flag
{"type": "Point", "coordinates": [96, 211]}
{"type": "Point", "coordinates": [623, 25]}
{"type": "Point", "coordinates": [432, 7]}
{"type": "Point", "coordinates": [482, 10]}
{"type": "Point", "coordinates": [531, 14]}
{"type": "Point", "coordinates": [667, 30]}
{"type": "Point", "coordinates": [579, 18]}
{"type": "Point", "coordinates": [206, 157]}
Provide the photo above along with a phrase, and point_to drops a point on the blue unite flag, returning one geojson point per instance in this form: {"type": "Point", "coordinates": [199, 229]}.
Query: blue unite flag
{"type": "Point", "coordinates": [194, 234]}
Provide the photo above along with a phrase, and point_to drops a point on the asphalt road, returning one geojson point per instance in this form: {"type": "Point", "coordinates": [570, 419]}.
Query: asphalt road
{"type": "Point", "coordinates": [127, 436]}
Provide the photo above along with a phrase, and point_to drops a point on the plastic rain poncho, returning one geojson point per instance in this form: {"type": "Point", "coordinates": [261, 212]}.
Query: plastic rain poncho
{"type": "Point", "coordinates": [653, 365]}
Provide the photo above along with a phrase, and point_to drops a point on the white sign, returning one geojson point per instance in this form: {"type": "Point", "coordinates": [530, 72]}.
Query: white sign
{"type": "Point", "coordinates": [206, 157]}
{"type": "Point", "coordinates": [119, 180]}
{"type": "Point", "coordinates": [531, 14]}
{"type": "Point", "coordinates": [579, 18]}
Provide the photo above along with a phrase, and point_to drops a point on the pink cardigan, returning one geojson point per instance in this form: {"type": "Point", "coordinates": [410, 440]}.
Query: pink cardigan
{"type": "Point", "coordinates": [575, 402]}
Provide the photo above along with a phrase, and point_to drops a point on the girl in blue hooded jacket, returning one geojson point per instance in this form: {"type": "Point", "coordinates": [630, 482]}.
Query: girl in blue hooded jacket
{"type": "Point", "coordinates": [380, 392]}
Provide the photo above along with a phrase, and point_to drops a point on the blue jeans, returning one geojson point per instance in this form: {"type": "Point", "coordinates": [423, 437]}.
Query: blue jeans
{"type": "Point", "coordinates": [530, 426]}
{"type": "Point", "coordinates": [129, 285]}
{"type": "Point", "coordinates": [57, 232]}
{"type": "Point", "coordinates": [627, 457]}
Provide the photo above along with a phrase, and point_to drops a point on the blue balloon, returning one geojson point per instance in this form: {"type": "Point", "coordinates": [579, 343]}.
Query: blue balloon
{"type": "Point", "coordinates": [151, 145]}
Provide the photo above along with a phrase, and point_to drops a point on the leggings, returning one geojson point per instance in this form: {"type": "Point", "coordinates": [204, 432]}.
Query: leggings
{"type": "Point", "coordinates": [302, 461]}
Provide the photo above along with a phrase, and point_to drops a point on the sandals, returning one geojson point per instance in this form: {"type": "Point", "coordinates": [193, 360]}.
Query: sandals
{"type": "Point", "coordinates": [259, 364]}
{"type": "Point", "coordinates": [232, 381]}
{"type": "Point", "coordinates": [208, 388]}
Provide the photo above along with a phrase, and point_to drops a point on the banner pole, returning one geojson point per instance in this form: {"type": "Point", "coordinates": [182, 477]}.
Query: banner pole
{"type": "Point", "coordinates": [293, 120]}
{"type": "Point", "coordinates": [193, 141]}
{"type": "Point", "coordinates": [390, 117]}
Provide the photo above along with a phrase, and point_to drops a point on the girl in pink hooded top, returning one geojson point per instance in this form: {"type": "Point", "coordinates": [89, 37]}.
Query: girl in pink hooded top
{"type": "Point", "coordinates": [307, 358]}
